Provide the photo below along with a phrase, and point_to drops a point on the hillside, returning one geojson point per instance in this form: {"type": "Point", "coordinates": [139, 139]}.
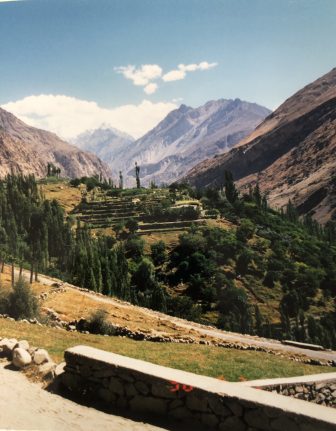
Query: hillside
{"type": "Point", "coordinates": [291, 153]}
{"type": "Point", "coordinates": [27, 150]}
{"type": "Point", "coordinates": [213, 253]}
{"type": "Point", "coordinates": [186, 137]}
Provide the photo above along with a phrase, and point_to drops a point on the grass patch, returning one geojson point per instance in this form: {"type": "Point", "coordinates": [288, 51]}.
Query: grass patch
{"type": "Point", "coordinates": [199, 359]}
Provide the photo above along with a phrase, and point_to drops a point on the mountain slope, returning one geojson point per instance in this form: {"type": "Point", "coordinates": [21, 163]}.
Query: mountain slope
{"type": "Point", "coordinates": [106, 142]}
{"type": "Point", "coordinates": [291, 154]}
{"type": "Point", "coordinates": [187, 136]}
{"type": "Point", "coordinates": [28, 150]}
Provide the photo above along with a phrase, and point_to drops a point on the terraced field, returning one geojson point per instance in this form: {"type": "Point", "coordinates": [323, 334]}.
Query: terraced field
{"type": "Point", "coordinates": [106, 212]}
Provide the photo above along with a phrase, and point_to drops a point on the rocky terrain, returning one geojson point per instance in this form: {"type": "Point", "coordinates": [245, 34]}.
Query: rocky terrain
{"type": "Point", "coordinates": [291, 153]}
{"type": "Point", "coordinates": [27, 150]}
{"type": "Point", "coordinates": [106, 142]}
{"type": "Point", "coordinates": [186, 137]}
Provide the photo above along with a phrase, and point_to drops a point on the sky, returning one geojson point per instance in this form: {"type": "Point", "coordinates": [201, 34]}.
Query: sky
{"type": "Point", "coordinates": [72, 65]}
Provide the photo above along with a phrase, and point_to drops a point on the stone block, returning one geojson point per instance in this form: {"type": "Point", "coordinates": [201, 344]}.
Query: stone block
{"type": "Point", "coordinates": [130, 390]}
{"type": "Point", "coordinates": [105, 372]}
{"type": "Point", "coordinates": [175, 404]}
{"type": "Point", "coordinates": [233, 423]}
{"type": "Point", "coordinates": [141, 387]}
{"type": "Point", "coordinates": [209, 420]}
{"type": "Point", "coordinates": [197, 402]}
{"type": "Point", "coordinates": [148, 404]}
{"type": "Point", "coordinates": [217, 406]}
{"type": "Point", "coordinates": [257, 419]}
{"type": "Point", "coordinates": [284, 423]}
{"type": "Point", "coordinates": [106, 396]}
{"type": "Point", "coordinates": [116, 386]}
{"type": "Point", "coordinates": [235, 407]}
{"type": "Point", "coordinates": [162, 390]}
{"type": "Point", "coordinates": [181, 413]}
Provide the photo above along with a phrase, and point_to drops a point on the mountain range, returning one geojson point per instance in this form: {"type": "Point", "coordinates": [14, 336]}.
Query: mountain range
{"type": "Point", "coordinates": [291, 154]}
{"type": "Point", "coordinates": [182, 139]}
{"type": "Point", "coordinates": [28, 150]}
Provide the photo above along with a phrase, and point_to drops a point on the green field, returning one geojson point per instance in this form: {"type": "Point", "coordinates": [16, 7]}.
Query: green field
{"type": "Point", "coordinates": [233, 365]}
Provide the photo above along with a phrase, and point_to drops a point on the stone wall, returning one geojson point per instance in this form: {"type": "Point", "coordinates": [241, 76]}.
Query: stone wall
{"type": "Point", "coordinates": [318, 389]}
{"type": "Point", "coordinates": [145, 388]}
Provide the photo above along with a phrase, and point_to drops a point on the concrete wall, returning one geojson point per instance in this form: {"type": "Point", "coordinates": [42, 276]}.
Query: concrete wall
{"type": "Point", "coordinates": [143, 388]}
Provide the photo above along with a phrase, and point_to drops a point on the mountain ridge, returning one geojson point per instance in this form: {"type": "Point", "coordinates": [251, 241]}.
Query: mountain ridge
{"type": "Point", "coordinates": [186, 136]}
{"type": "Point", "coordinates": [27, 150]}
{"type": "Point", "coordinates": [300, 130]}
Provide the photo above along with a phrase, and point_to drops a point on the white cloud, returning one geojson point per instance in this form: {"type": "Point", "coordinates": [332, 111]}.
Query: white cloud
{"type": "Point", "coordinates": [182, 69]}
{"type": "Point", "coordinates": [150, 88]}
{"type": "Point", "coordinates": [174, 75]}
{"type": "Point", "coordinates": [141, 76]}
{"type": "Point", "coordinates": [68, 116]}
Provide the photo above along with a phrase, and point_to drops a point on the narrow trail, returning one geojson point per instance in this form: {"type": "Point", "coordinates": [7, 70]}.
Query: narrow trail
{"type": "Point", "coordinates": [203, 329]}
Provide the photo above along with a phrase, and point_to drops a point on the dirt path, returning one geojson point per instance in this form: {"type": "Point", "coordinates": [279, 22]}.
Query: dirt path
{"type": "Point", "coordinates": [26, 406]}
{"type": "Point", "coordinates": [203, 329]}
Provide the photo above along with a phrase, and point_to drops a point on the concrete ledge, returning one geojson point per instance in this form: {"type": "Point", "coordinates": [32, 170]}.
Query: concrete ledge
{"type": "Point", "coordinates": [145, 387]}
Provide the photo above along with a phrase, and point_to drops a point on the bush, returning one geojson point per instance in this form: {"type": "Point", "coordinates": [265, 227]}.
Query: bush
{"type": "Point", "coordinates": [22, 303]}
{"type": "Point", "coordinates": [98, 324]}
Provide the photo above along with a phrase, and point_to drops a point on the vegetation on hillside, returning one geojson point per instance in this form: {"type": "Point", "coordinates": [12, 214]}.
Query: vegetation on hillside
{"type": "Point", "coordinates": [210, 273]}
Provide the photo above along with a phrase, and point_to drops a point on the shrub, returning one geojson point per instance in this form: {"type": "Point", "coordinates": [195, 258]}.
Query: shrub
{"type": "Point", "coordinates": [98, 324]}
{"type": "Point", "coordinates": [22, 303]}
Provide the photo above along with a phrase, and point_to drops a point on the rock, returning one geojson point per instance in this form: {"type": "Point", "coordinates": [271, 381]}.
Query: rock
{"type": "Point", "coordinates": [21, 358]}
{"type": "Point", "coordinates": [235, 407]}
{"type": "Point", "coordinates": [7, 346]}
{"type": "Point", "coordinates": [175, 404]}
{"type": "Point", "coordinates": [130, 390]}
{"type": "Point", "coordinates": [59, 369]}
{"type": "Point", "coordinates": [181, 413]}
{"type": "Point", "coordinates": [41, 356]}
{"type": "Point", "coordinates": [106, 396]}
{"type": "Point", "coordinates": [47, 370]}
{"type": "Point", "coordinates": [116, 386]}
{"type": "Point", "coordinates": [218, 407]}
{"type": "Point", "coordinates": [23, 344]}
{"type": "Point", "coordinates": [194, 402]}
{"type": "Point", "coordinates": [161, 390]}
{"type": "Point", "coordinates": [211, 421]}
{"type": "Point", "coordinates": [283, 423]}
{"type": "Point", "coordinates": [148, 404]}
{"type": "Point", "coordinates": [233, 423]}
{"type": "Point", "coordinates": [141, 387]}
{"type": "Point", "coordinates": [257, 419]}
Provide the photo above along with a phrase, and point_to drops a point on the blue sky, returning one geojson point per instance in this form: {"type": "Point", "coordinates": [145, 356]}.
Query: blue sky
{"type": "Point", "coordinates": [67, 65]}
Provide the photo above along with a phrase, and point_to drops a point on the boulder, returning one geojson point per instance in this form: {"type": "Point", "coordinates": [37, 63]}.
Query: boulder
{"type": "Point", "coordinates": [23, 344]}
{"type": "Point", "coordinates": [41, 356]}
{"type": "Point", "coordinates": [7, 346]}
{"type": "Point", "coordinates": [21, 358]}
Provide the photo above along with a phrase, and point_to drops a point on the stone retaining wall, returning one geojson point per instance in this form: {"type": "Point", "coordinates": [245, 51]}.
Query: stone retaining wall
{"type": "Point", "coordinates": [145, 388]}
{"type": "Point", "coordinates": [318, 389]}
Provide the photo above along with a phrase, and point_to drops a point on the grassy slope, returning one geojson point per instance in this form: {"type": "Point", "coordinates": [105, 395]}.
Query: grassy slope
{"type": "Point", "coordinates": [205, 360]}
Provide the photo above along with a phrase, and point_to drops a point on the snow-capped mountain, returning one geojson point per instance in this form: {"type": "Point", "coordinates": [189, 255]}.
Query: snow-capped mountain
{"type": "Point", "coordinates": [187, 136]}
{"type": "Point", "coordinates": [105, 142]}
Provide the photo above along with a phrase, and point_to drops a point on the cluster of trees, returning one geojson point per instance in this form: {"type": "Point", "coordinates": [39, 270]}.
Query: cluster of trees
{"type": "Point", "coordinates": [268, 248]}
{"type": "Point", "coordinates": [215, 268]}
